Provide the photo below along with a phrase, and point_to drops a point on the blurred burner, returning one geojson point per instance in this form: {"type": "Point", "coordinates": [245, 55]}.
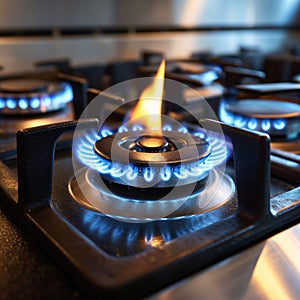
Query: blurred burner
{"type": "Point", "coordinates": [36, 98]}
{"type": "Point", "coordinates": [277, 118]}
{"type": "Point", "coordinates": [31, 96]}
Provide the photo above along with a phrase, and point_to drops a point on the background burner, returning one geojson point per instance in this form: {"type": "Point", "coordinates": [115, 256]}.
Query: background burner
{"type": "Point", "coordinates": [277, 118]}
{"type": "Point", "coordinates": [32, 96]}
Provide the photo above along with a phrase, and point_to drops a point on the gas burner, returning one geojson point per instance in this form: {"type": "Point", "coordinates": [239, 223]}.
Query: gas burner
{"type": "Point", "coordinates": [277, 118]}
{"type": "Point", "coordinates": [159, 162]}
{"type": "Point", "coordinates": [132, 175]}
{"type": "Point", "coordinates": [31, 96]}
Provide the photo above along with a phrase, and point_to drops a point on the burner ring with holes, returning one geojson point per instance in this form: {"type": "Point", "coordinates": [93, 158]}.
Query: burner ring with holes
{"type": "Point", "coordinates": [85, 190]}
{"type": "Point", "coordinates": [277, 118]}
{"type": "Point", "coordinates": [170, 149]}
{"type": "Point", "coordinates": [32, 96]}
{"type": "Point", "coordinates": [156, 162]}
{"type": "Point", "coordinates": [176, 171]}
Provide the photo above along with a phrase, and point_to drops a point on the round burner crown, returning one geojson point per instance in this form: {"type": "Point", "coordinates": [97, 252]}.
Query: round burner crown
{"type": "Point", "coordinates": [143, 149]}
{"type": "Point", "coordinates": [151, 142]}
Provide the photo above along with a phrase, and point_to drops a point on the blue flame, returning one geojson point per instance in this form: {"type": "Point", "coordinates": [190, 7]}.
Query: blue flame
{"type": "Point", "coordinates": [182, 129]}
{"type": "Point", "coordinates": [252, 124]}
{"type": "Point", "coordinates": [105, 132]}
{"type": "Point", "coordinates": [23, 104]}
{"type": "Point", "coordinates": [181, 172]}
{"type": "Point", "coordinates": [165, 173]}
{"type": "Point", "coordinates": [206, 77]}
{"type": "Point", "coordinates": [201, 135]}
{"type": "Point", "coordinates": [2, 103]}
{"type": "Point", "coordinates": [266, 125]}
{"type": "Point", "coordinates": [11, 103]}
{"type": "Point", "coordinates": [67, 94]}
{"type": "Point", "coordinates": [132, 173]}
{"type": "Point", "coordinates": [167, 127]}
{"type": "Point", "coordinates": [123, 129]}
{"type": "Point", "coordinates": [86, 154]}
{"type": "Point", "coordinates": [240, 122]}
{"type": "Point", "coordinates": [34, 103]}
{"type": "Point", "coordinates": [279, 124]}
{"type": "Point", "coordinates": [46, 101]}
{"type": "Point", "coordinates": [148, 174]}
{"type": "Point", "coordinates": [137, 127]}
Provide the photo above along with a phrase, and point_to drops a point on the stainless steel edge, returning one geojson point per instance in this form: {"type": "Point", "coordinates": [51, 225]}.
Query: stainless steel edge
{"type": "Point", "coordinates": [112, 13]}
{"type": "Point", "coordinates": [269, 270]}
{"type": "Point", "coordinates": [20, 53]}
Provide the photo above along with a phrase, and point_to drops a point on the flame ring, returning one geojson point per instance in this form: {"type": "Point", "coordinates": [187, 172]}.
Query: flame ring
{"type": "Point", "coordinates": [84, 150]}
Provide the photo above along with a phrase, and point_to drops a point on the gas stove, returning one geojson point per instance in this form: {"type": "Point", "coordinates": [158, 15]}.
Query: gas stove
{"type": "Point", "coordinates": [34, 98]}
{"type": "Point", "coordinates": [127, 211]}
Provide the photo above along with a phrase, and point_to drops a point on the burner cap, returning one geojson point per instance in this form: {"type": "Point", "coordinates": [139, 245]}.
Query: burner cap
{"type": "Point", "coordinates": [157, 162]}
{"type": "Point", "coordinates": [142, 149]}
{"type": "Point", "coordinates": [176, 167]}
{"type": "Point", "coordinates": [23, 86]}
{"type": "Point", "coordinates": [264, 109]}
{"type": "Point", "coordinates": [152, 143]}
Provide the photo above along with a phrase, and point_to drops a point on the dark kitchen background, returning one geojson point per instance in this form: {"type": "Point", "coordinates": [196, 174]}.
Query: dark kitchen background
{"type": "Point", "coordinates": [102, 31]}
{"type": "Point", "coordinates": [90, 45]}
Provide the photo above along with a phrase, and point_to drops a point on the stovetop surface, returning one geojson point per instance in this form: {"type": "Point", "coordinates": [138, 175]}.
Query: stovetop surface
{"type": "Point", "coordinates": [112, 235]}
{"type": "Point", "coordinates": [268, 270]}
{"type": "Point", "coordinates": [31, 274]}
{"type": "Point", "coordinates": [26, 271]}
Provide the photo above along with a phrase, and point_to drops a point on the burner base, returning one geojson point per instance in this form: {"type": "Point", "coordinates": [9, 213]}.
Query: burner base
{"type": "Point", "coordinates": [219, 189]}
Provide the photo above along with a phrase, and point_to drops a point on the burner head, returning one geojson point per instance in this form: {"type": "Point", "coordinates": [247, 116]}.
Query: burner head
{"type": "Point", "coordinates": [156, 162]}
{"type": "Point", "coordinates": [277, 118]}
{"type": "Point", "coordinates": [143, 149]}
{"type": "Point", "coordinates": [136, 176]}
{"type": "Point", "coordinates": [31, 96]}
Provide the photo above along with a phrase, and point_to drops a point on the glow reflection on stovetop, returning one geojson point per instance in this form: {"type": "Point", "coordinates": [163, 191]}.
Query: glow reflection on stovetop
{"type": "Point", "coordinates": [139, 236]}
{"type": "Point", "coordinates": [218, 190]}
{"type": "Point", "coordinates": [56, 100]}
